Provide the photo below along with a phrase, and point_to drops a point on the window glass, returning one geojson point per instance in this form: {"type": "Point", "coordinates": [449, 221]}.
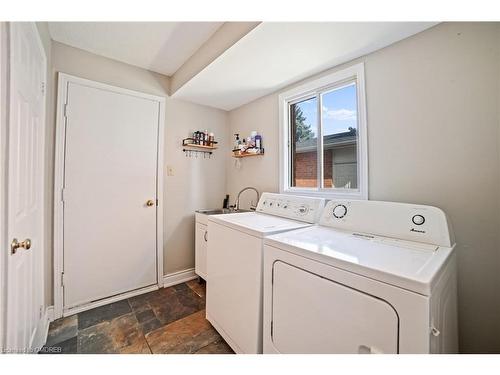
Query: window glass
{"type": "Point", "coordinates": [304, 142]}
{"type": "Point", "coordinates": [340, 138]}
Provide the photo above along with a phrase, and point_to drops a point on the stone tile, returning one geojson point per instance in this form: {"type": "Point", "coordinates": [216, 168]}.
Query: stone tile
{"type": "Point", "coordinates": [139, 306]}
{"type": "Point", "coordinates": [65, 347]}
{"type": "Point", "coordinates": [62, 329]}
{"type": "Point", "coordinates": [145, 315]}
{"type": "Point", "coordinates": [171, 318]}
{"type": "Point", "coordinates": [216, 347]}
{"type": "Point", "coordinates": [197, 287]}
{"type": "Point", "coordinates": [140, 347]}
{"type": "Point", "coordinates": [125, 331]}
{"type": "Point", "coordinates": [179, 287]}
{"type": "Point", "coordinates": [143, 302]}
{"type": "Point", "coordinates": [175, 309]}
{"type": "Point", "coordinates": [69, 346]}
{"type": "Point", "coordinates": [120, 335]}
{"type": "Point", "coordinates": [176, 303]}
{"type": "Point", "coordinates": [163, 295]}
{"type": "Point", "coordinates": [150, 325]}
{"type": "Point", "coordinates": [102, 313]}
{"type": "Point", "coordinates": [186, 335]}
{"type": "Point", "coordinates": [140, 303]}
{"type": "Point", "coordinates": [96, 340]}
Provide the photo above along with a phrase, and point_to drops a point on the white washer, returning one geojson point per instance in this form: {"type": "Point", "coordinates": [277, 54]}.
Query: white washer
{"type": "Point", "coordinates": [234, 264]}
{"type": "Point", "coordinates": [372, 277]}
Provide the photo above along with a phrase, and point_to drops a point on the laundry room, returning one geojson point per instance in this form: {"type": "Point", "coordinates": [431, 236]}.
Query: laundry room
{"type": "Point", "coordinates": [249, 185]}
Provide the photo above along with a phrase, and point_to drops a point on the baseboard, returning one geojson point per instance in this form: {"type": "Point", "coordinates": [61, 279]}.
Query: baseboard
{"type": "Point", "coordinates": [42, 329]}
{"type": "Point", "coordinates": [50, 313]}
{"type": "Point", "coordinates": [179, 277]}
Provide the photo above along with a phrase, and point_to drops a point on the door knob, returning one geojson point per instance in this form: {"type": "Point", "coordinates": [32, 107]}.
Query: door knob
{"type": "Point", "coordinates": [15, 244]}
{"type": "Point", "coordinates": [150, 203]}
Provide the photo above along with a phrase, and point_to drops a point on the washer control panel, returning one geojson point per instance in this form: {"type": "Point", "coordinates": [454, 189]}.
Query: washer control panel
{"type": "Point", "coordinates": [403, 221]}
{"type": "Point", "coordinates": [295, 207]}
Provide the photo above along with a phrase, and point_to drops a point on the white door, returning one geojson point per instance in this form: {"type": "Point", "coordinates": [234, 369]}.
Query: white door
{"type": "Point", "coordinates": [25, 284]}
{"type": "Point", "coordinates": [312, 314]}
{"type": "Point", "coordinates": [109, 193]}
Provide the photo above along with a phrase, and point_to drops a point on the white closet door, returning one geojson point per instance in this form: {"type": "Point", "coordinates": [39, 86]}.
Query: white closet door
{"type": "Point", "coordinates": [110, 174]}
{"type": "Point", "coordinates": [312, 314]}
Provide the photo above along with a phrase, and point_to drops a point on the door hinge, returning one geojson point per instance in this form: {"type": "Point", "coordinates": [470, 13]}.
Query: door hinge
{"type": "Point", "coordinates": [157, 203]}
{"type": "Point", "coordinates": [271, 329]}
{"type": "Point", "coordinates": [43, 88]}
{"type": "Point", "coordinates": [66, 110]}
{"type": "Point", "coordinates": [62, 195]}
{"type": "Point", "coordinates": [62, 279]}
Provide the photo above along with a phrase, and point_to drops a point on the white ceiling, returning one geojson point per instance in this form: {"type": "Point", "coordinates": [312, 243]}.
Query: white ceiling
{"type": "Point", "coordinates": [274, 55]}
{"type": "Point", "coordinates": [161, 47]}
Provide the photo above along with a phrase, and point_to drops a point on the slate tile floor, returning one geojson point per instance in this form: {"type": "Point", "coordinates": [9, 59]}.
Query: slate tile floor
{"type": "Point", "coordinates": [169, 320]}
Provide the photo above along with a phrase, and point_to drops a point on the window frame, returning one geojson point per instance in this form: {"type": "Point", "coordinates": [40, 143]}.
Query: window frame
{"type": "Point", "coordinates": [316, 88]}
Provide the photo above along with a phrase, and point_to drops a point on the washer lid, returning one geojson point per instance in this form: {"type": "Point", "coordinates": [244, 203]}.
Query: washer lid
{"type": "Point", "coordinates": [409, 265]}
{"type": "Point", "coordinates": [257, 224]}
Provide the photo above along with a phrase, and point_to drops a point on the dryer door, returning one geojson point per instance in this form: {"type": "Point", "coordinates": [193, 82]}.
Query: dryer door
{"type": "Point", "coordinates": [312, 314]}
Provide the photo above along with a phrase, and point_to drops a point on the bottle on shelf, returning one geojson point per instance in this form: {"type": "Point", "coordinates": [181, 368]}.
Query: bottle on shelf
{"type": "Point", "coordinates": [258, 141]}
{"type": "Point", "coordinates": [205, 138]}
{"type": "Point", "coordinates": [237, 142]}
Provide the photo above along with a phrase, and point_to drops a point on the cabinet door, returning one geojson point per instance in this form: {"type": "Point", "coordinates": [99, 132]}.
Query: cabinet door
{"type": "Point", "coordinates": [200, 255]}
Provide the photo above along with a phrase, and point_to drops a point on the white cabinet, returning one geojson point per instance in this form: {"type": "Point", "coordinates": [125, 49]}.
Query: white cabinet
{"type": "Point", "coordinates": [200, 255]}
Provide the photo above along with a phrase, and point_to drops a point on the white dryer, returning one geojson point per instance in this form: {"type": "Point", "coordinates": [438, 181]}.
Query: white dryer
{"type": "Point", "coordinates": [372, 277]}
{"type": "Point", "coordinates": [234, 264]}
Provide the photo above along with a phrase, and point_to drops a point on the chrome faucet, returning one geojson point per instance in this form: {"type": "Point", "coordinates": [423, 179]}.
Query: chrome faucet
{"type": "Point", "coordinates": [252, 207]}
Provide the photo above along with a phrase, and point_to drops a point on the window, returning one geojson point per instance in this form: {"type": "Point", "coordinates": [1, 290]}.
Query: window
{"type": "Point", "coordinates": [323, 137]}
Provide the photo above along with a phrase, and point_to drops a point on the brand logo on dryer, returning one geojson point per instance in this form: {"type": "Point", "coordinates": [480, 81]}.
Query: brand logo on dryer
{"type": "Point", "coordinates": [417, 230]}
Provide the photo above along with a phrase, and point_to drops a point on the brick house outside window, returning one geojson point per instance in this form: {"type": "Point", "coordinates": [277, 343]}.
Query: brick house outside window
{"type": "Point", "coordinates": [339, 159]}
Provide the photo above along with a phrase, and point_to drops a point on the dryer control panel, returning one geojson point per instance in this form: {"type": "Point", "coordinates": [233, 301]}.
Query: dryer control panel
{"type": "Point", "coordinates": [294, 207]}
{"type": "Point", "coordinates": [411, 222]}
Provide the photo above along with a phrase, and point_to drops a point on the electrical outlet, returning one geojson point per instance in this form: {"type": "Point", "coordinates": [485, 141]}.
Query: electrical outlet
{"type": "Point", "coordinates": [170, 170]}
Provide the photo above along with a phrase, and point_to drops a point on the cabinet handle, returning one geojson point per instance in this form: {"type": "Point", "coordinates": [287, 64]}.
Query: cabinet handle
{"type": "Point", "coordinates": [205, 236]}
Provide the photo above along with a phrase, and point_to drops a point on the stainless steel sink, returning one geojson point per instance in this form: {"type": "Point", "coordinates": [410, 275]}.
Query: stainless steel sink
{"type": "Point", "coordinates": [220, 211]}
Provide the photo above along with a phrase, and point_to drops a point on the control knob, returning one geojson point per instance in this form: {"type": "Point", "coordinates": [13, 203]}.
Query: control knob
{"type": "Point", "coordinates": [339, 211]}
{"type": "Point", "coordinates": [418, 219]}
{"type": "Point", "coordinates": [302, 210]}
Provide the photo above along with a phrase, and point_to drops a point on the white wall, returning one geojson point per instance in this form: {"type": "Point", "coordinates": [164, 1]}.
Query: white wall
{"type": "Point", "coordinates": [203, 179]}
{"type": "Point", "coordinates": [197, 182]}
{"type": "Point", "coordinates": [257, 171]}
{"type": "Point", "coordinates": [433, 133]}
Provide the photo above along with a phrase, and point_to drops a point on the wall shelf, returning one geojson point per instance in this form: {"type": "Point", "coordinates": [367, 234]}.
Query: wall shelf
{"type": "Point", "coordinates": [194, 149]}
{"type": "Point", "coordinates": [200, 146]}
{"type": "Point", "coordinates": [246, 154]}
